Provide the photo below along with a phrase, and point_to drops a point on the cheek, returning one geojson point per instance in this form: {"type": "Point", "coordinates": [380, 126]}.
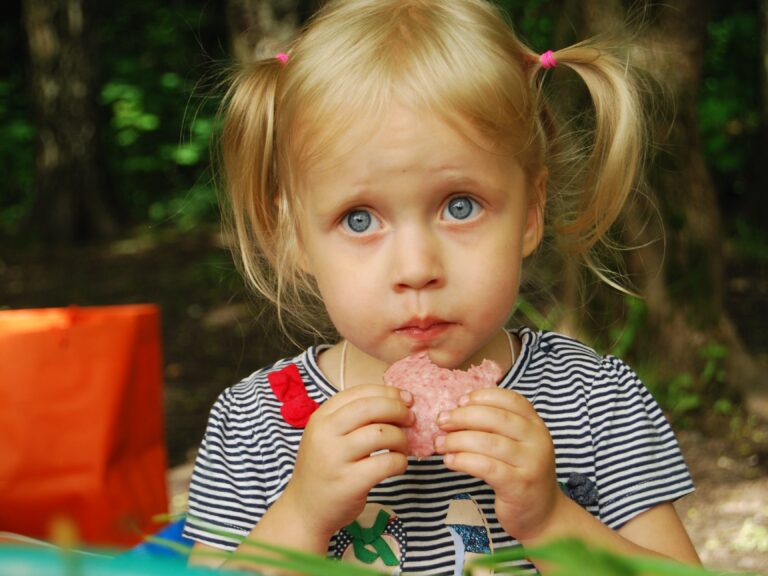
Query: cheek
{"type": "Point", "coordinates": [354, 317]}
{"type": "Point", "coordinates": [500, 295]}
{"type": "Point", "coordinates": [345, 298]}
{"type": "Point", "coordinates": [495, 284]}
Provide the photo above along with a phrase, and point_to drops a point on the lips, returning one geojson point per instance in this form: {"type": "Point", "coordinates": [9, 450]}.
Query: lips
{"type": "Point", "coordinates": [424, 328]}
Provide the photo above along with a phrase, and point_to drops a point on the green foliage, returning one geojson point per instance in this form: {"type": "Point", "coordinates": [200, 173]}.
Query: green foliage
{"type": "Point", "coordinates": [154, 60]}
{"type": "Point", "coordinates": [129, 118]}
{"type": "Point", "coordinates": [688, 393]}
{"type": "Point", "coordinates": [685, 394]}
{"type": "Point", "coordinates": [679, 396]}
{"type": "Point", "coordinates": [161, 122]}
{"type": "Point", "coordinates": [751, 242]}
{"type": "Point", "coordinates": [156, 117]}
{"type": "Point", "coordinates": [535, 318]}
{"type": "Point", "coordinates": [17, 140]}
{"type": "Point", "coordinates": [729, 107]}
{"type": "Point", "coordinates": [573, 557]}
{"type": "Point", "coordinates": [532, 20]}
{"type": "Point", "coordinates": [569, 557]}
{"type": "Point", "coordinates": [624, 336]}
{"type": "Point", "coordinates": [713, 372]}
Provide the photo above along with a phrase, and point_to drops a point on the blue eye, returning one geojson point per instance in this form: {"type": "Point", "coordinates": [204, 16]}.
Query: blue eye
{"type": "Point", "coordinates": [460, 208]}
{"type": "Point", "coordinates": [360, 221]}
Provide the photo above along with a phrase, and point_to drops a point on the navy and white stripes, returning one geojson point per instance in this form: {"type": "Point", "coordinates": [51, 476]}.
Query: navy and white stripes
{"type": "Point", "coordinates": [604, 424]}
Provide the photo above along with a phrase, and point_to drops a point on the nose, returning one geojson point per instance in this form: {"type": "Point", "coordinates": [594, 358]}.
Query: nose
{"type": "Point", "coordinates": [417, 260]}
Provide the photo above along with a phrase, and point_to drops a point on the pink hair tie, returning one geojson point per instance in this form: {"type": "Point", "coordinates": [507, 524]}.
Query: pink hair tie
{"type": "Point", "coordinates": [548, 60]}
{"type": "Point", "coordinates": [283, 57]}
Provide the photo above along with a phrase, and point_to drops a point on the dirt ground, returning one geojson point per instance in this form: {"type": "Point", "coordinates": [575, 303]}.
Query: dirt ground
{"type": "Point", "coordinates": [727, 516]}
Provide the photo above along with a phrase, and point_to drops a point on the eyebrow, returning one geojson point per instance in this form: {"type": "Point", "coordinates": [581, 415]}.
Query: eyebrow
{"type": "Point", "coordinates": [342, 203]}
{"type": "Point", "coordinates": [456, 177]}
{"type": "Point", "coordinates": [452, 172]}
{"type": "Point", "coordinates": [447, 174]}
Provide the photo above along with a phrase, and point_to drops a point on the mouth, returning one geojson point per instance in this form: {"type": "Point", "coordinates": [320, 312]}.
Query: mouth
{"type": "Point", "coordinates": [424, 328]}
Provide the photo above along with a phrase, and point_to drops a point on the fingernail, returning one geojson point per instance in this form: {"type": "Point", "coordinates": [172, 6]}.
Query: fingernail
{"type": "Point", "coordinates": [464, 400]}
{"type": "Point", "coordinates": [440, 443]}
{"type": "Point", "coordinates": [406, 396]}
{"type": "Point", "coordinates": [442, 418]}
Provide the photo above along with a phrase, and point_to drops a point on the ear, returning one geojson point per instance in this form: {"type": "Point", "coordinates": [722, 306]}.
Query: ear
{"type": "Point", "coordinates": [534, 219]}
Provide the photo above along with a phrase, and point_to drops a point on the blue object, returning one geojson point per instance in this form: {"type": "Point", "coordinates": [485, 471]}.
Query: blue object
{"type": "Point", "coordinates": [171, 532]}
{"type": "Point", "coordinates": [146, 559]}
{"type": "Point", "coordinates": [55, 562]}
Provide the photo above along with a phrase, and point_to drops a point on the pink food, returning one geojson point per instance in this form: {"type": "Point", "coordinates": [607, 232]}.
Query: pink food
{"type": "Point", "coordinates": [434, 390]}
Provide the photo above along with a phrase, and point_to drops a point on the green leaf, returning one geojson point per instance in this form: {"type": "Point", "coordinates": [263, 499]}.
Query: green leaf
{"type": "Point", "coordinates": [170, 80]}
{"type": "Point", "coordinates": [127, 137]}
{"type": "Point", "coordinates": [723, 406]}
{"type": "Point", "coordinates": [186, 155]}
{"type": "Point", "coordinates": [147, 122]}
{"type": "Point", "coordinates": [572, 557]}
{"type": "Point", "coordinates": [536, 318]}
{"type": "Point", "coordinates": [289, 559]}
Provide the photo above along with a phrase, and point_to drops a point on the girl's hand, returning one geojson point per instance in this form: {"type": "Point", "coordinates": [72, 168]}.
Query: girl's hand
{"type": "Point", "coordinates": [497, 436]}
{"type": "Point", "coordinates": [335, 469]}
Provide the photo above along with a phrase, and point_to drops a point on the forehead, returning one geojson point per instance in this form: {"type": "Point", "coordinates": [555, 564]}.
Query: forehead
{"type": "Point", "coordinates": [409, 155]}
{"type": "Point", "coordinates": [396, 137]}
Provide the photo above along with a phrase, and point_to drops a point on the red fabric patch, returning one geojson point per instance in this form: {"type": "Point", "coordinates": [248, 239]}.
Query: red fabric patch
{"type": "Point", "coordinates": [290, 390]}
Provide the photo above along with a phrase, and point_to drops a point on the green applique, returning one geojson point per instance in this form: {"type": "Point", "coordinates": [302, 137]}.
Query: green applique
{"type": "Point", "coordinates": [365, 538]}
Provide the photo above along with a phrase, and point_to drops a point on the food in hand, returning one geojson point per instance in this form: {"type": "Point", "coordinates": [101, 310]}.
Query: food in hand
{"type": "Point", "coordinates": [434, 390]}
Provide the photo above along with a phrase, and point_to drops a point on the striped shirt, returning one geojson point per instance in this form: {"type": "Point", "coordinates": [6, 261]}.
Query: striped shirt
{"type": "Point", "coordinates": [615, 454]}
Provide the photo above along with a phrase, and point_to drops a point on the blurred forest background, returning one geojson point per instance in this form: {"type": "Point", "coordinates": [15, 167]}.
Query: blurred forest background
{"type": "Point", "coordinates": [106, 119]}
{"type": "Point", "coordinates": [107, 114]}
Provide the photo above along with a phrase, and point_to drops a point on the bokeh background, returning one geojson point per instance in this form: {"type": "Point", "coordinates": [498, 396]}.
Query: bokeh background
{"type": "Point", "coordinates": [107, 115]}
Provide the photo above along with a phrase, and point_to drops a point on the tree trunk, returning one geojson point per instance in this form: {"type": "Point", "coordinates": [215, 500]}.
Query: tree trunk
{"type": "Point", "coordinates": [70, 204]}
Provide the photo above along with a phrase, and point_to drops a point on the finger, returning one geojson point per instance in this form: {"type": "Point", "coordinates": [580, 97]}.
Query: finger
{"type": "Point", "coordinates": [487, 419]}
{"type": "Point", "coordinates": [379, 467]}
{"type": "Point", "coordinates": [494, 472]}
{"type": "Point", "coordinates": [491, 445]}
{"type": "Point", "coordinates": [500, 398]}
{"type": "Point", "coordinates": [374, 437]}
{"type": "Point", "coordinates": [367, 391]}
{"type": "Point", "coordinates": [371, 410]}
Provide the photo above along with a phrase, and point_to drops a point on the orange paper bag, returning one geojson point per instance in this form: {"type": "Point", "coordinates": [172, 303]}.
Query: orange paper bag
{"type": "Point", "coordinates": [81, 422]}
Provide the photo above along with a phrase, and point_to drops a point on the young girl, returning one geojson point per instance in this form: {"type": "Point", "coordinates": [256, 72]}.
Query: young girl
{"type": "Point", "coordinates": [392, 171]}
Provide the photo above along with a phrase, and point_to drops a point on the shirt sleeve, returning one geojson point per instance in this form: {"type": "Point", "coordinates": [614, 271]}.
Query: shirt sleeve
{"type": "Point", "coordinates": [638, 461]}
{"type": "Point", "coordinates": [221, 511]}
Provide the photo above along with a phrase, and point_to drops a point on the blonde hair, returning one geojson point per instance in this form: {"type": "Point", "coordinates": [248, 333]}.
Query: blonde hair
{"type": "Point", "coordinates": [456, 58]}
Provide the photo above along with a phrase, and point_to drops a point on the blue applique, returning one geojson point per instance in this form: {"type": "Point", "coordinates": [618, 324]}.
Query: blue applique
{"type": "Point", "coordinates": [580, 489]}
{"type": "Point", "coordinates": [475, 538]}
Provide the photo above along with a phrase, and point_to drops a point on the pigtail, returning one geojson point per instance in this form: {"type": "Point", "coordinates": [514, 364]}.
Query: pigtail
{"type": "Point", "coordinates": [247, 148]}
{"type": "Point", "coordinates": [615, 158]}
